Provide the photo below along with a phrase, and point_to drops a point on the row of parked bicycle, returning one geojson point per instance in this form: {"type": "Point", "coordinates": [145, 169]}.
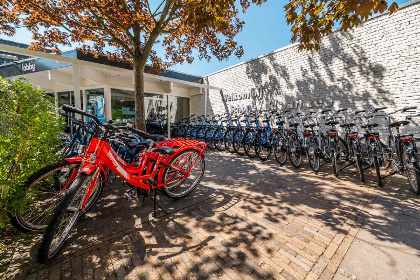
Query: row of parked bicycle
{"type": "Point", "coordinates": [315, 136]}
{"type": "Point", "coordinates": [60, 193]}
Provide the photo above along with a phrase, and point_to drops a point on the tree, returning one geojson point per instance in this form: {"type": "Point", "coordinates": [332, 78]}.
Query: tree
{"type": "Point", "coordinates": [128, 29]}
{"type": "Point", "coordinates": [313, 19]}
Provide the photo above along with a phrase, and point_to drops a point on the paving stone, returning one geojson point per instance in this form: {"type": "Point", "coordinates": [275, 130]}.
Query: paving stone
{"type": "Point", "coordinates": [257, 231]}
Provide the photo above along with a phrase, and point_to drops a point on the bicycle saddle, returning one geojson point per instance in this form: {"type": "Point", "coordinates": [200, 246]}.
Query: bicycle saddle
{"type": "Point", "coordinates": [347, 124]}
{"type": "Point", "coordinates": [332, 123]}
{"type": "Point", "coordinates": [294, 124]}
{"type": "Point", "coordinates": [309, 125]}
{"type": "Point", "coordinates": [164, 150]}
{"type": "Point", "coordinates": [142, 143]}
{"type": "Point", "coordinates": [369, 125]}
{"type": "Point", "coordinates": [280, 123]}
{"type": "Point", "coordinates": [266, 120]}
{"type": "Point", "coordinates": [156, 137]}
{"type": "Point", "coordinates": [399, 123]}
{"type": "Point", "coordinates": [407, 136]}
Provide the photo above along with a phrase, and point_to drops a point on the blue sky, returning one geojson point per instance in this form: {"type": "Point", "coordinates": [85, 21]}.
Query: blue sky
{"type": "Point", "coordinates": [265, 30]}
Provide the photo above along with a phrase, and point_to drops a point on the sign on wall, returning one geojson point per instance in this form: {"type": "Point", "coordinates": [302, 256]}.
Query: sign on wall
{"type": "Point", "coordinates": [258, 99]}
{"type": "Point", "coordinates": [28, 67]}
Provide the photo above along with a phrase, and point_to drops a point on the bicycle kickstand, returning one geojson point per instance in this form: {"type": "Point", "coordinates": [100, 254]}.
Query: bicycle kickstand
{"type": "Point", "coordinates": [154, 205]}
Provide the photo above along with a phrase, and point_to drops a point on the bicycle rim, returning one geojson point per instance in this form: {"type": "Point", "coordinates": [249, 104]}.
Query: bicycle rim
{"type": "Point", "coordinates": [184, 161]}
{"type": "Point", "coordinates": [46, 196]}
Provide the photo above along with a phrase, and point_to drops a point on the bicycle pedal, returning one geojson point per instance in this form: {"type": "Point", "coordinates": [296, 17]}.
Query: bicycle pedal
{"type": "Point", "coordinates": [129, 195]}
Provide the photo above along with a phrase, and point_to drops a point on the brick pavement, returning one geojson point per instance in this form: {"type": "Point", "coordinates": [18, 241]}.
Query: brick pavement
{"type": "Point", "coordinates": [247, 220]}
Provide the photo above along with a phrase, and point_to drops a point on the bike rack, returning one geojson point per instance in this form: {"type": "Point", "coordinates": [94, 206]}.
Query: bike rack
{"type": "Point", "coordinates": [390, 174]}
{"type": "Point", "coordinates": [351, 163]}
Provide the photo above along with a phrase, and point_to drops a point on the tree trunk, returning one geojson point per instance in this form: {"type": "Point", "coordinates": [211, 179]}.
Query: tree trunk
{"type": "Point", "coordinates": [140, 121]}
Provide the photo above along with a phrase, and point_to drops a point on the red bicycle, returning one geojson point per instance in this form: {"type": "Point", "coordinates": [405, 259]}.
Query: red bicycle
{"type": "Point", "coordinates": [176, 166]}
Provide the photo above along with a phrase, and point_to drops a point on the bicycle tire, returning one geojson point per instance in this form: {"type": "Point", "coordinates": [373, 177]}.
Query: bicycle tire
{"type": "Point", "coordinates": [335, 163]}
{"type": "Point", "coordinates": [313, 155]}
{"type": "Point", "coordinates": [280, 151]}
{"type": "Point", "coordinates": [228, 143]}
{"type": "Point", "coordinates": [238, 145]}
{"type": "Point", "coordinates": [249, 144]}
{"type": "Point", "coordinates": [358, 161]}
{"type": "Point", "coordinates": [260, 144]}
{"type": "Point", "coordinates": [218, 141]}
{"type": "Point", "coordinates": [377, 171]}
{"type": "Point", "coordinates": [166, 190]}
{"type": "Point", "coordinates": [294, 140]}
{"type": "Point", "coordinates": [208, 138]}
{"type": "Point", "coordinates": [44, 254]}
{"type": "Point", "coordinates": [414, 178]}
{"type": "Point", "coordinates": [200, 135]}
{"type": "Point", "coordinates": [18, 220]}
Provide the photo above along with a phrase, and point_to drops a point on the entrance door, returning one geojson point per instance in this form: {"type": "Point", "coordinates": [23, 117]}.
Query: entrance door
{"type": "Point", "coordinates": [95, 104]}
{"type": "Point", "coordinates": [156, 113]}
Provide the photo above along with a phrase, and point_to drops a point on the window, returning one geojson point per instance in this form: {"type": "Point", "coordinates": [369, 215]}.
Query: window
{"type": "Point", "coordinates": [156, 106]}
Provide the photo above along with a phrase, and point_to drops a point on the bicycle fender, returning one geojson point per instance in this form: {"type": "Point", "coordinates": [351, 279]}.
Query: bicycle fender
{"type": "Point", "coordinates": [374, 153]}
{"type": "Point", "coordinates": [413, 158]}
{"type": "Point", "coordinates": [74, 159]}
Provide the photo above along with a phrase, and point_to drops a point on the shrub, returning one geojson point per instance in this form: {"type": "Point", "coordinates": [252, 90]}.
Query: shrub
{"type": "Point", "coordinates": [29, 139]}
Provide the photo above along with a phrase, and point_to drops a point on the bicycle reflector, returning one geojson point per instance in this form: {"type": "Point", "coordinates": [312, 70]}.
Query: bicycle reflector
{"type": "Point", "coordinates": [332, 133]}
{"type": "Point", "coordinates": [306, 133]}
{"type": "Point", "coordinates": [289, 132]}
{"type": "Point", "coordinates": [353, 135]}
{"type": "Point", "coordinates": [371, 137]}
{"type": "Point", "coordinates": [405, 140]}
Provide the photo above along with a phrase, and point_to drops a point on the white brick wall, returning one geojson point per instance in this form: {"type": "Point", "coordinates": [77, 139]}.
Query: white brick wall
{"type": "Point", "coordinates": [376, 64]}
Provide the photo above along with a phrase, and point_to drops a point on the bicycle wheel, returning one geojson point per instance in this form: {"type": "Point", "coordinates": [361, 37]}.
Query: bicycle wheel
{"type": "Point", "coordinates": [183, 187]}
{"type": "Point", "coordinates": [64, 218]}
{"type": "Point", "coordinates": [238, 138]}
{"type": "Point", "coordinates": [262, 146]}
{"type": "Point", "coordinates": [175, 132]}
{"type": "Point", "coordinates": [377, 170]}
{"type": "Point", "coordinates": [218, 139]}
{"type": "Point", "coordinates": [313, 154]}
{"type": "Point", "coordinates": [279, 147]}
{"type": "Point", "coordinates": [412, 169]}
{"type": "Point", "coordinates": [187, 134]}
{"type": "Point", "coordinates": [45, 188]}
{"type": "Point", "coordinates": [334, 161]}
{"type": "Point", "coordinates": [357, 160]}
{"type": "Point", "coordinates": [208, 138]}
{"type": "Point", "coordinates": [248, 143]}
{"type": "Point", "coordinates": [193, 133]}
{"type": "Point", "coordinates": [293, 152]}
{"type": "Point", "coordinates": [200, 134]}
{"type": "Point", "coordinates": [228, 140]}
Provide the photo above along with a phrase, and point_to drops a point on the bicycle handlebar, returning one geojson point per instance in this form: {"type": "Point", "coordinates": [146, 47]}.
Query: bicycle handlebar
{"type": "Point", "coordinates": [139, 132]}
{"type": "Point", "coordinates": [72, 109]}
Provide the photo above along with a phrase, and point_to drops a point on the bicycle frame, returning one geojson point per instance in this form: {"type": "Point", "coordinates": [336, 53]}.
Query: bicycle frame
{"type": "Point", "coordinates": [100, 155]}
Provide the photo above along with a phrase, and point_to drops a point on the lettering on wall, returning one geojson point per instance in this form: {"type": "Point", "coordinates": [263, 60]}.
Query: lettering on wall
{"type": "Point", "coordinates": [28, 67]}
{"type": "Point", "coordinates": [261, 99]}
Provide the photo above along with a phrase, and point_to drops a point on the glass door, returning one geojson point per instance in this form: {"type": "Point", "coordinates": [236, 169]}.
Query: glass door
{"type": "Point", "coordinates": [95, 103]}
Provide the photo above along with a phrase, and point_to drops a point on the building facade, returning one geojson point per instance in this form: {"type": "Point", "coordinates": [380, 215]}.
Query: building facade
{"type": "Point", "coordinates": [375, 64]}
{"type": "Point", "coordinates": [99, 86]}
